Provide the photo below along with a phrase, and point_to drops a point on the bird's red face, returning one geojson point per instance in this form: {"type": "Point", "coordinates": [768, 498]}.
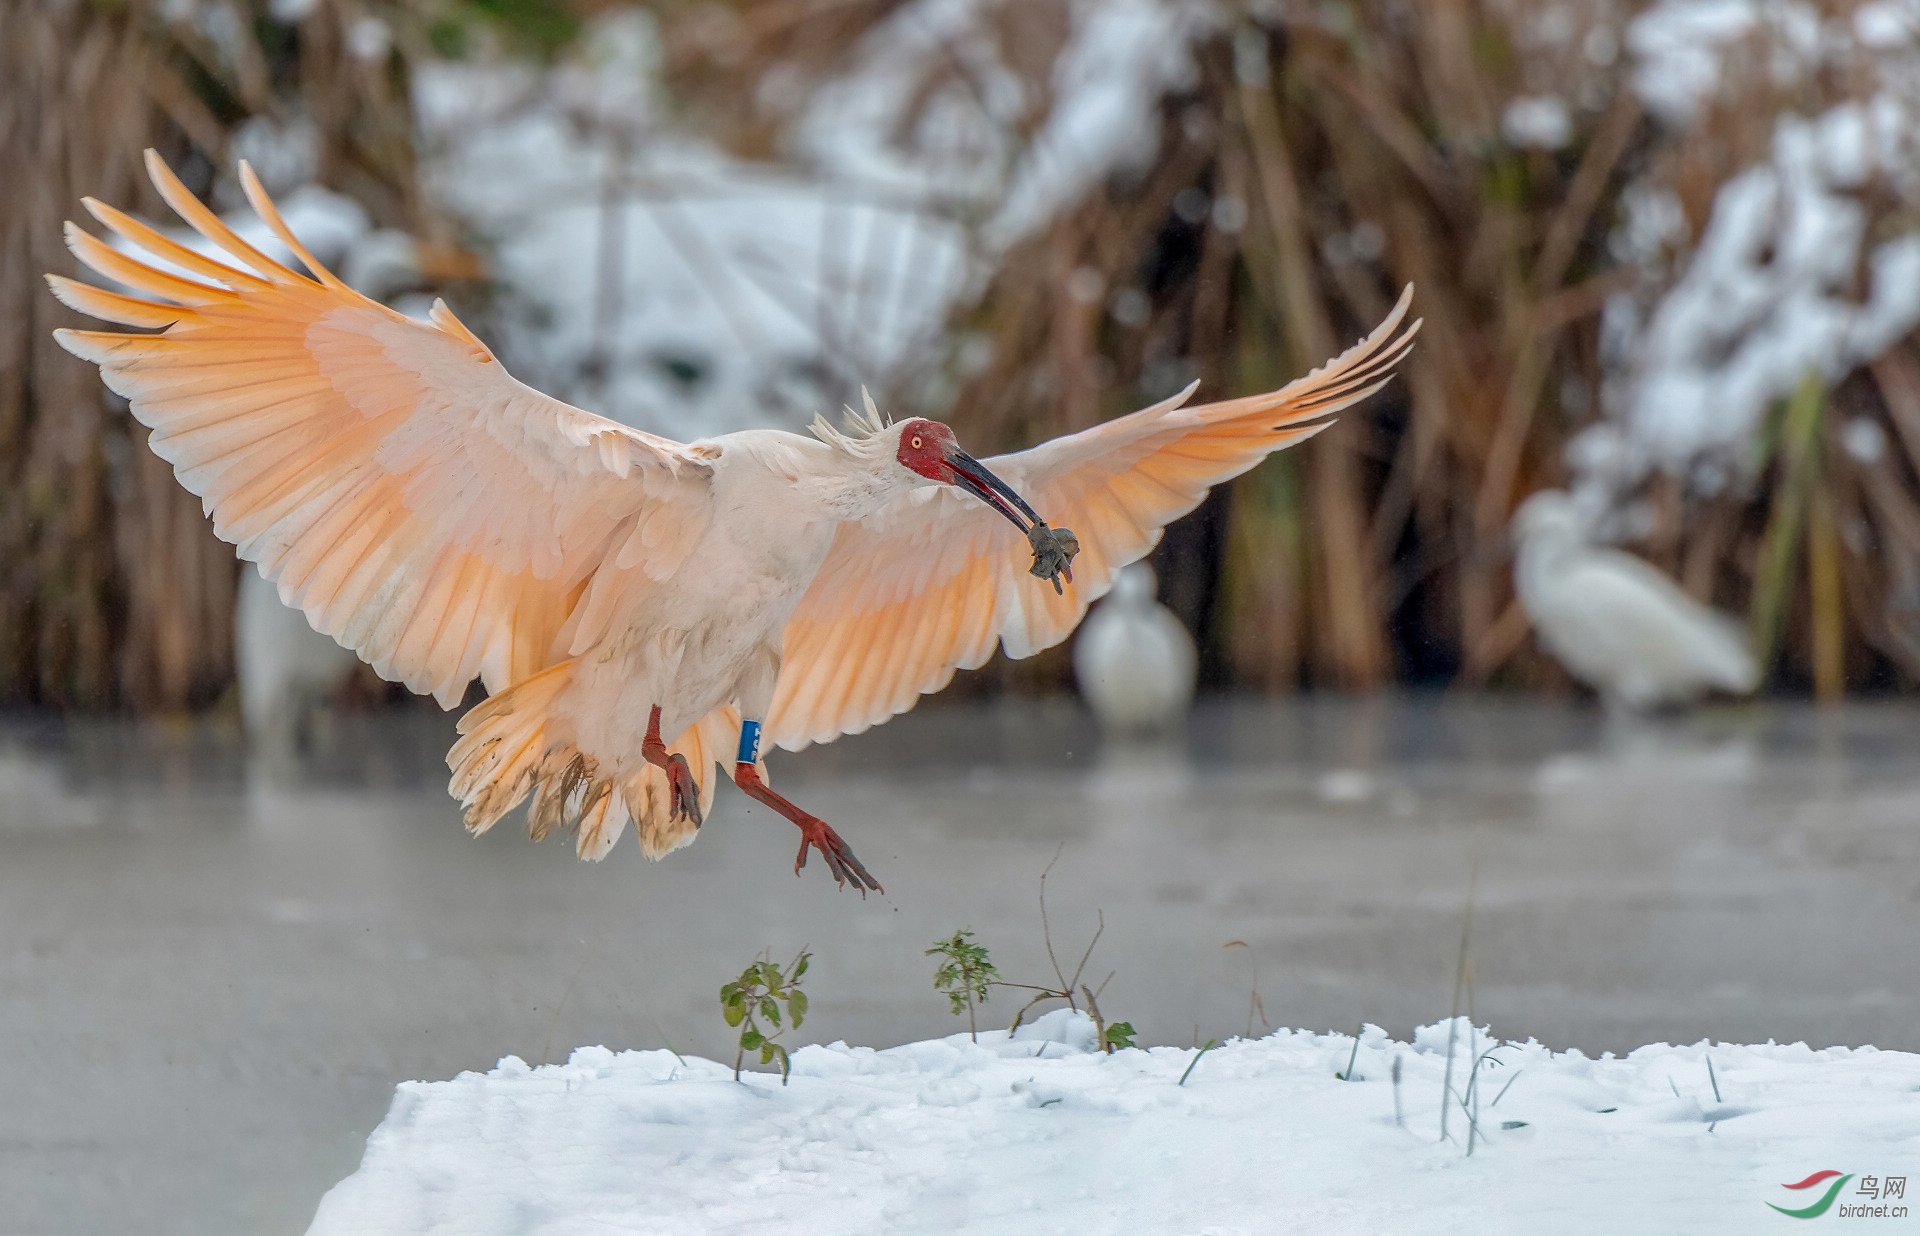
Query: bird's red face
{"type": "Point", "coordinates": [924, 446]}
{"type": "Point", "coordinates": [929, 449]}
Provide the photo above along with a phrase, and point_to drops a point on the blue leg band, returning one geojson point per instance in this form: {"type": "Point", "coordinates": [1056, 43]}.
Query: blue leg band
{"type": "Point", "coordinates": [749, 742]}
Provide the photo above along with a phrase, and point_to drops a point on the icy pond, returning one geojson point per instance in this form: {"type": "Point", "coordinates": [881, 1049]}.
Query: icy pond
{"type": "Point", "coordinates": [214, 972]}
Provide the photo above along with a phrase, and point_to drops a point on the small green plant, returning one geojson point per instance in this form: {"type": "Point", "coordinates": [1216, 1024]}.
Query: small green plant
{"type": "Point", "coordinates": [1118, 1034]}
{"type": "Point", "coordinates": [964, 974]}
{"type": "Point", "coordinates": [753, 1003]}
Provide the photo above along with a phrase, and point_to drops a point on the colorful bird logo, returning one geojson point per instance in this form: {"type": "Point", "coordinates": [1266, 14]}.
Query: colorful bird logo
{"type": "Point", "coordinates": [1818, 1208]}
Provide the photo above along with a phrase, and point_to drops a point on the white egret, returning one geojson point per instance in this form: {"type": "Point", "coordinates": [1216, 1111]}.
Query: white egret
{"type": "Point", "coordinates": [1615, 622]}
{"type": "Point", "coordinates": [1134, 660]}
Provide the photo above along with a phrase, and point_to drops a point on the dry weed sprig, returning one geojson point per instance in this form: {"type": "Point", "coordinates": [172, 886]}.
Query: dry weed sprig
{"type": "Point", "coordinates": [1111, 1036]}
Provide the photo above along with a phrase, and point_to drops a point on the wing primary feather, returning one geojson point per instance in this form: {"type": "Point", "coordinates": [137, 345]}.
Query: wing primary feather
{"type": "Point", "coordinates": [1371, 368]}
{"type": "Point", "coordinates": [1372, 340]}
{"type": "Point", "coordinates": [264, 207]}
{"type": "Point", "coordinates": [112, 306]}
{"type": "Point", "coordinates": [166, 248]}
{"type": "Point", "coordinates": [104, 259]}
{"type": "Point", "coordinates": [1332, 408]}
{"type": "Point", "coordinates": [1374, 370]}
{"type": "Point", "coordinates": [208, 224]}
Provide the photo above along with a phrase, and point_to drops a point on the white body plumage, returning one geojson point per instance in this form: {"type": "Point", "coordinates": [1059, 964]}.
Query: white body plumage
{"type": "Point", "coordinates": [1616, 623]}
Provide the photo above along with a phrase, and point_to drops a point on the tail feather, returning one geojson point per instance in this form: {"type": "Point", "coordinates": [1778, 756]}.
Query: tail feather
{"type": "Point", "coordinates": [507, 747]}
{"type": "Point", "coordinates": [514, 745]}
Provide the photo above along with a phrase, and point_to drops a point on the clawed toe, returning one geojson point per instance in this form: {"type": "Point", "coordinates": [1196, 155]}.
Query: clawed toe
{"type": "Point", "coordinates": [684, 789]}
{"type": "Point", "coordinates": [686, 792]}
{"type": "Point", "coordinates": [814, 833]}
{"type": "Point", "coordinates": [840, 859]}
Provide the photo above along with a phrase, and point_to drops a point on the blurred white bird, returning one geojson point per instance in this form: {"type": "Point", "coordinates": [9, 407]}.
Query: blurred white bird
{"type": "Point", "coordinates": [1134, 660]}
{"type": "Point", "coordinates": [639, 608]}
{"type": "Point", "coordinates": [1616, 623]}
{"type": "Point", "coordinates": [283, 666]}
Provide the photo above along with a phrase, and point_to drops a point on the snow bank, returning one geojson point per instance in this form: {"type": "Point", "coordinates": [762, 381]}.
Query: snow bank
{"type": "Point", "coordinates": [1040, 1133]}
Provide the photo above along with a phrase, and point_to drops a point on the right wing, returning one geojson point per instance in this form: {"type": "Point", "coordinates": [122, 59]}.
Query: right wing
{"type": "Point", "coordinates": [419, 505]}
{"type": "Point", "coordinates": [931, 582]}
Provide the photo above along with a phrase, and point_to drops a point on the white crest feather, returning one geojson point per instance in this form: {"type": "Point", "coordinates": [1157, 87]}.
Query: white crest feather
{"type": "Point", "coordinates": [861, 429]}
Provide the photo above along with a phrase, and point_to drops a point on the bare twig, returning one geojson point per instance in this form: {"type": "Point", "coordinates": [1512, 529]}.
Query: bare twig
{"type": "Point", "coordinates": [546, 1047]}
{"type": "Point", "coordinates": [1066, 988]}
{"type": "Point", "coordinates": [1254, 1004]}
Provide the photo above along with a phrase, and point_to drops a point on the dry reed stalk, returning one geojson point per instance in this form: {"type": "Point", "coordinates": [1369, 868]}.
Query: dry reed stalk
{"type": "Point", "coordinates": [1828, 635]}
{"type": "Point", "coordinates": [75, 109]}
{"type": "Point", "coordinates": [1352, 646]}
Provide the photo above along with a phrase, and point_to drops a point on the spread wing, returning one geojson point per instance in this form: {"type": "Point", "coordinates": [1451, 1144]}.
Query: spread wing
{"type": "Point", "coordinates": [415, 501]}
{"type": "Point", "coordinates": [930, 583]}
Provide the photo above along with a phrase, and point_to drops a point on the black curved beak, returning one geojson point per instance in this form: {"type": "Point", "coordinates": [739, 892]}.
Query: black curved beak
{"type": "Point", "coordinates": [972, 475]}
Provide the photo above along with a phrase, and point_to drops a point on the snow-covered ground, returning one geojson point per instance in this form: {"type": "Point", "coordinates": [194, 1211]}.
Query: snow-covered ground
{"type": "Point", "coordinates": [1040, 1133]}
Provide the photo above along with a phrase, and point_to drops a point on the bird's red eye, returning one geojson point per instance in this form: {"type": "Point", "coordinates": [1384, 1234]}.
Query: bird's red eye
{"type": "Point", "coordinates": [916, 442]}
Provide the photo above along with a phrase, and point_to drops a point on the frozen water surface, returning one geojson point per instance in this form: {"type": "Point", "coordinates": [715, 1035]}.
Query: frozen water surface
{"type": "Point", "coordinates": [213, 974]}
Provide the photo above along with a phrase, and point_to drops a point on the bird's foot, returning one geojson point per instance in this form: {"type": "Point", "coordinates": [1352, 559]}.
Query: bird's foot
{"type": "Point", "coordinates": [815, 833]}
{"type": "Point", "coordinates": [686, 792]}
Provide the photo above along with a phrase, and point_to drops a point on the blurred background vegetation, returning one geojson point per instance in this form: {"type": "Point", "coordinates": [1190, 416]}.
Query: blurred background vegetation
{"type": "Point", "coordinates": [1550, 175]}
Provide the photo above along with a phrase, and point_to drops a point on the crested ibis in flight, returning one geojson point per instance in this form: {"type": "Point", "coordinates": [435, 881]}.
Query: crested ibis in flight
{"type": "Point", "coordinates": [639, 609]}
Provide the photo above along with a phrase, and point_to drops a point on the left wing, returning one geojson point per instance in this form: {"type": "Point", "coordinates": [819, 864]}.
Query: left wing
{"type": "Point", "coordinates": [405, 492]}
{"type": "Point", "coordinates": [930, 583]}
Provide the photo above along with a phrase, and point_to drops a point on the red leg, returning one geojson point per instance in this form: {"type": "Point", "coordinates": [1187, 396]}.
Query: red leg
{"type": "Point", "coordinates": [686, 794]}
{"type": "Point", "coordinates": [813, 832]}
